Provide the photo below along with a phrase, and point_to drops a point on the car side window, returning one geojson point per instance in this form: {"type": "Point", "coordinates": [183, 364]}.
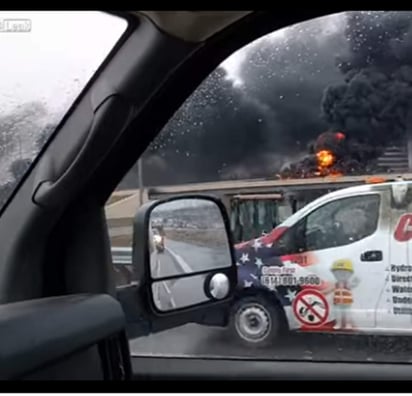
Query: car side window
{"type": "Point", "coordinates": [48, 58]}
{"type": "Point", "coordinates": [295, 115]}
{"type": "Point", "coordinates": [341, 222]}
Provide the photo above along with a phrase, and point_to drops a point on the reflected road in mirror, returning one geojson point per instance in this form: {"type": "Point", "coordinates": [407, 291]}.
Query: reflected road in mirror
{"type": "Point", "coordinates": [179, 293]}
{"type": "Point", "coordinates": [187, 236]}
{"type": "Point", "coordinates": [181, 258]}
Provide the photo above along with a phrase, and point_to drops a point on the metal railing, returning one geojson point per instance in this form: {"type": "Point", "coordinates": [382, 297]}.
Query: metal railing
{"type": "Point", "coordinates": [122, 255]}
{"type": "Point", "coordinates": [122, 265]}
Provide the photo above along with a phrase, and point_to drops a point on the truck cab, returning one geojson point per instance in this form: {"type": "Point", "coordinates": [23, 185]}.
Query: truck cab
{"type": "Point", "coordinates": [341, 263]}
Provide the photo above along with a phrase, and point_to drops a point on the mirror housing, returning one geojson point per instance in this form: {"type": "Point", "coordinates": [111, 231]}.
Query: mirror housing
{"type": "Point", "coordinates": [186, 266]}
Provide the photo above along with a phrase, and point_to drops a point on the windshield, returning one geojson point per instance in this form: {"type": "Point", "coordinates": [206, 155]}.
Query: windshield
{"type": "Point", "coordinates": [48, 57]}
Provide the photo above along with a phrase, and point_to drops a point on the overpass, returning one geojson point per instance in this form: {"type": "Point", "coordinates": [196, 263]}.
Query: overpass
{"type": "Point", "coordinates": [124, 203]}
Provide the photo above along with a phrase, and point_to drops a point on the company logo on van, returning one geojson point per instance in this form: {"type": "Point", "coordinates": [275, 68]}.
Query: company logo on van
{"type": "Point", "coordinates": [403, 230]}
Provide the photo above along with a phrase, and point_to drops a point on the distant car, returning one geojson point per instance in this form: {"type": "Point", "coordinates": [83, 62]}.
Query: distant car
{"type": "Point", "coordinates": [158, 241]}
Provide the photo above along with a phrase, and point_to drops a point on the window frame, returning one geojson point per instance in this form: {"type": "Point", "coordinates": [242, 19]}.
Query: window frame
{"type": "Point", "coordinates": [303, 221]}
{"type": "Point", "coordinates": [253, 368]}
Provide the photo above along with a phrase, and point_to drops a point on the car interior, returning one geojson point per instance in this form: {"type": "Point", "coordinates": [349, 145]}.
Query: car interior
{"type": "Point", "coordinates": [61, 315]}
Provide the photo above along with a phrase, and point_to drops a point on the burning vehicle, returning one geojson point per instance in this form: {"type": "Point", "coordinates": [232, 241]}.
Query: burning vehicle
{"type": "Point", "coordinates": [335, 154]}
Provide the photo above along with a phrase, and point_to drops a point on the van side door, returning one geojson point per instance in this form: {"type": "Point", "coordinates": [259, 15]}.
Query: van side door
{"type": "Point", "coordinates": [394, 312]}
{"type": "Point", "coordinates": [342, 243]}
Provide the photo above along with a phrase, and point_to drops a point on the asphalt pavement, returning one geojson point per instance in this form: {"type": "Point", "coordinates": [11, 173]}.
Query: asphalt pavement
{"type": "Point", "coordinates": [189, 257]}
{"type": "Point", "coordinates": [183, 258]}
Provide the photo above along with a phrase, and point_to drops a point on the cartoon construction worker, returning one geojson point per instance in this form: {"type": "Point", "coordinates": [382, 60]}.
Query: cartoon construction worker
{"type": "Point", "coordinates": [342, 293]}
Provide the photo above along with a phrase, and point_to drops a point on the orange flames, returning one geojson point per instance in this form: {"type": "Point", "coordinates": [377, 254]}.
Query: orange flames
{"type": "Point", "coordinates": [325, 158]}
{"type": "Point", "coordinates": [376, 180]}
{"type": "Point", "coordinates": [326, 162]}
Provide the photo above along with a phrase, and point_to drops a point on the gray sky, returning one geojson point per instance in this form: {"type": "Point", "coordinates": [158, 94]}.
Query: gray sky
{"type": "Point", "coordinates": [328, 25]}
{"type": "Point", "coordinates": [56, 58]}
{"type": "Point", "coordinates": [53, 61]}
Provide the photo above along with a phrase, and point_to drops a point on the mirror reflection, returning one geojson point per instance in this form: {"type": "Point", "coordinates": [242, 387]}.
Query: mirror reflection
{"type": "Point", "coordinates": [178, 293]}
{"type": "Point", "coordinates": [187, 236]}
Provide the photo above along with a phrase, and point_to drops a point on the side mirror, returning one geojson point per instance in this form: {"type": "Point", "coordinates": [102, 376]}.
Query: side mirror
{"type": "Point", "coordinates": [183, 255]}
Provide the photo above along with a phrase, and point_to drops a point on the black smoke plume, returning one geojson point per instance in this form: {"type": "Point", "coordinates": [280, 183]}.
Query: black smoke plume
{"type": "Point", "coordinates": [350, 73]}
{"type": "Point", "coordinates": [373, 105]}
{"type": "Point", "coordinates": [228, 132]}
{"type": "Point", "coordinates": [219, 125]}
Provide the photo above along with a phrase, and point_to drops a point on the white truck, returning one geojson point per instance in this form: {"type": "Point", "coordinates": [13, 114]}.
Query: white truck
{"type": "Point", "coordinates": [342, 263]}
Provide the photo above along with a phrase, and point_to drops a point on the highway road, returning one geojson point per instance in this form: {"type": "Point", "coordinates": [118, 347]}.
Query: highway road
{"type": "Point", "coordinates": [183, 258]}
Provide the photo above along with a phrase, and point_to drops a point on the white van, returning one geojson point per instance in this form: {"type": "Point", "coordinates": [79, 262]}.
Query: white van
{"type": "Point", "coordinates": [343, 263]}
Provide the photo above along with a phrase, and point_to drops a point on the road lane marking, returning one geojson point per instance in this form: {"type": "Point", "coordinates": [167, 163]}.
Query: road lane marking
{"type": "Point", "coordinates": [182, 263]}
{"type": "Point", "coordinates": [156, 291]}
{"type": "Point", "coordinates": [163, 284]}
{"type": "Point", "coordinates": [157, 265]}
{"type": "Point", "coordinates": [169, 292]}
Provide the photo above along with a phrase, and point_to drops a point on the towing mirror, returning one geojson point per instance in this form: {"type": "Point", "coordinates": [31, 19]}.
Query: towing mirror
{"type": "Point", "coordinates": [185, 247]}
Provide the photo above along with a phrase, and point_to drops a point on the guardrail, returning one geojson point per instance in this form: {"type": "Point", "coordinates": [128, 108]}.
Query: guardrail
{"type": "Point", "coordinates": [122, 261]}
{"type": "Point", "coordinates": [122, 255]}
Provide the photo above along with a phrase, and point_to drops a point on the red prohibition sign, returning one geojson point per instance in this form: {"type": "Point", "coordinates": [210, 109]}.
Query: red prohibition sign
{"type": "Point", "coordinates": [311, 308]}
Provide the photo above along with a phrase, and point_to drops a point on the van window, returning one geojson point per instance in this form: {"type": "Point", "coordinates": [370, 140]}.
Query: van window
{"type": "Point", "coordinates": [341, 222]}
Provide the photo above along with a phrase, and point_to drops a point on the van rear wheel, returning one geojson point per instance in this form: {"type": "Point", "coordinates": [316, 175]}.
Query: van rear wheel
{"type": "Point", "coordinates": [255, 322]}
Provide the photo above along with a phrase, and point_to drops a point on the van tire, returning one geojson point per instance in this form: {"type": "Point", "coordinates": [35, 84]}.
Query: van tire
{"type": "Point", "coordinates": [255, 322]}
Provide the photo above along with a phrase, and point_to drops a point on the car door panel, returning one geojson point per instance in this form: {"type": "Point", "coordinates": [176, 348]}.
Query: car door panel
{"type": "Point", "coordinates": [59, 327]}
{"type": "Point", "coordinates": [158, 369]}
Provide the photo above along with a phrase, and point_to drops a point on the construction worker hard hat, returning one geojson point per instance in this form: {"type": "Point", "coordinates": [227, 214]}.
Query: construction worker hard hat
{"type": "Point", "coordinates": [344, 264]}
